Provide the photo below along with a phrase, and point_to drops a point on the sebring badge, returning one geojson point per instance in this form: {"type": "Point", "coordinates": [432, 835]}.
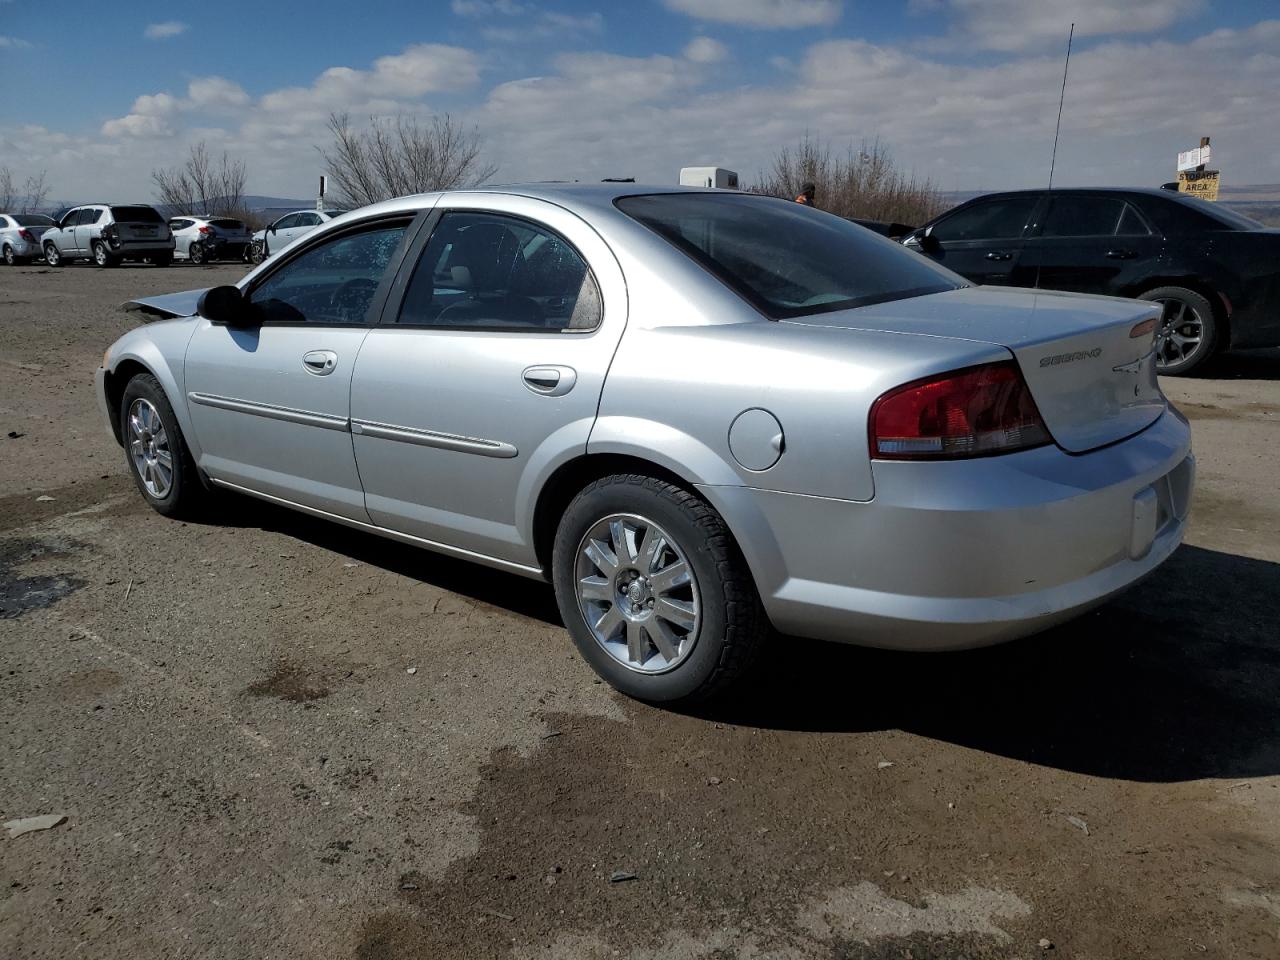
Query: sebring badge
{"type": "Point", "coordinates": [1069, 357]}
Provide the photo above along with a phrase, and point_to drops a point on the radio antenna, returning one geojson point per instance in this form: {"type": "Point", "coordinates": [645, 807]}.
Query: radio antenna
{"type": "Point", "coordinates": [1061, 98]}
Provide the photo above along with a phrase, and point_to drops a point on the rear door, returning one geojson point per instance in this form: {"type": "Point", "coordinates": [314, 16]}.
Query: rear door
{"type": "Point", "coordinates": [270, 404]}
{"type": "Point", "coordinates": [485, 373]}
{"type": "Point", "coordinates": [982, 241]}
{"type": "Point", "coordinates": [1088, 243]}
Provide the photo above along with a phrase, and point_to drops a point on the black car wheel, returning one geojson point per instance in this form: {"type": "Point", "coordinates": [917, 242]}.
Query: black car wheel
{"type": "Point", "coordinates": [102, 256]}
{"type": "Point", "coordinates": [197, 253]}
{"type": "Point", "coordinates": [156, 451]}
{"type": "Point", "coordinates": [10, 257]}
{"type": "Point", "coordinates": [53, 257]}
{"type": "Point", "coordinates": [1188, 331]}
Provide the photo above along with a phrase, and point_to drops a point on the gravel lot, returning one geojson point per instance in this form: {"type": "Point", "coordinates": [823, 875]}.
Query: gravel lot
{"type": "Point", "coordinates": [225, 714]}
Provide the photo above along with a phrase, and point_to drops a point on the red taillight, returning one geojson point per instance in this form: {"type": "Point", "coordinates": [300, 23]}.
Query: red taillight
{"type": "Point", "coordinates": [26, 235]}
{"type": "Point", "coordinates": [966, 413]}
{"type": "Point", "coordinates": [205, 230]}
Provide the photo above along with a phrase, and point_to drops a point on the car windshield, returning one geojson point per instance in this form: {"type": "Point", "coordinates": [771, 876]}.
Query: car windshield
{"type": "Point", "coordinates": [1225, 215]}
{"type": "Point", "coordinates": [135, 215]}
{"type": "Point", "coordinates": [32, 220]}
{"type": "Point", "coordinates": [787, 259]}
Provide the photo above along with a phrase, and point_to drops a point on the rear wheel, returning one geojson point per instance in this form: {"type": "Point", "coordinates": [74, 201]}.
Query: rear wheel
{"type": "Point", "coordinates": [1188, 331]}
{"type": "Point", "coordinates": [11, 258]}
{"type": "Point", "coordinates": [156, 451]}
{"type": "Point", "coordinates": [102, 256]}
{"type": "Point", "coordinates": [53, 257]}
{"type": "Point", "coordinates": [654, 591]}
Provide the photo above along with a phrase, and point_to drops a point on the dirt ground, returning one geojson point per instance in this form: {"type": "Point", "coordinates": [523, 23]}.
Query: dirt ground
{"type": "Point", "coordinates": [224, 713]}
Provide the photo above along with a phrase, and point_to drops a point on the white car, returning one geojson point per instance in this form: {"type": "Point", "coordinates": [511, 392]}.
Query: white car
{"type": "Point", "coordinates": [205, 239]}
{"type": "Point", "coordinates": [20, 235]}
{"type": "Point", "coordinates": [287, 229]}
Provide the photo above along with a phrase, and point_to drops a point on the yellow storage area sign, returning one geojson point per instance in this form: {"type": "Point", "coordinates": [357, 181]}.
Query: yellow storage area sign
{"type": "Point", "coordinates": [1199, 183]}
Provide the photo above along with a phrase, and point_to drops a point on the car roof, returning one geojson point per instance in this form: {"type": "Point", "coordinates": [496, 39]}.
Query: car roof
{"type": "Point", "coordinates": [1146, 191]}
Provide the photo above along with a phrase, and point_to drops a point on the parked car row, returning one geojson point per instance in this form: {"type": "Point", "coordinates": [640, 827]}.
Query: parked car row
{"type": "Point", "coordinates": [109, 234]}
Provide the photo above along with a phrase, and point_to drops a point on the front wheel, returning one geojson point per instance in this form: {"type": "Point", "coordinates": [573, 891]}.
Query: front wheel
{"type": "Point", "coordinates": [654, 590]}
{"type": "Point", "coordinates": [1188, 331]}
{"type": "Point", "coordinates": [257, 252]}
{"type": "Point", "coordinates": [197, 254]}
{"type": "Point", "coordinates": [10, 258]}
{"type": "Point", "coordinates": [156, 451]}
{"type": "Point", "coordinates": [53, 256]}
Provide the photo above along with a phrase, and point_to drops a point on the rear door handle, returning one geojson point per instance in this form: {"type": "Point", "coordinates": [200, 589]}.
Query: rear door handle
{"type": "Point", "coordinates": [550, 380]}
{"type": "Point", "coordinates": [999, 255]}
{"type": "Point", "coordinates": [319, 362]}
{"type": "Point", "coordinates": [1121, 254]}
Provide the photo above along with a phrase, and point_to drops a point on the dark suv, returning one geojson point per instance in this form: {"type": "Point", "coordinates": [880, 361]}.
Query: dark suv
{"type": "Point", "coordinates": [1216, 271]}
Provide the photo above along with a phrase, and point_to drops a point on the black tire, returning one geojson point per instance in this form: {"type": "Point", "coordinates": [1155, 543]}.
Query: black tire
{"type": "Point", "coordinates": [102, 256]}
{"type": "Point", "coordinates": [10, 258]}
{"type": "Point", "coordinates": [185, 496]}
{"type": "Point", "coordinates": [163, 260]}
{"type": "Point", "coordinates": [733, 627]}
{"type": "Point", "coordinates": [196, 253]}
{"type": "Point", "coordinates": [53, 257]}
{"type": "Point", "coordinates": [1184, 310]}
{"type": "Point", "coordinates": [257, 252]}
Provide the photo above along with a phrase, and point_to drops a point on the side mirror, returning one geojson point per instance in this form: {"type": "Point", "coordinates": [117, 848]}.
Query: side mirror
{"type": "Point", "coordinates": [225, 305]}
{"type": "Point", "coordinates": [272, 228]}
{"type": "Point", "coordinates": [928, 242]}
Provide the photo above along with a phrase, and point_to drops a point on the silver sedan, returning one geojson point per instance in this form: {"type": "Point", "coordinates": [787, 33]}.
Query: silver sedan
{"type": "Point", "coordinates": [707, 418]}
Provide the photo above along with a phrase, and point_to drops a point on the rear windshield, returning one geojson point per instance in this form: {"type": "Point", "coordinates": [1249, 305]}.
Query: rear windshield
{"type": "Point", "coordinates": [32, 220]}
{"type": "Point", "coordinates": [135, 215]}
{"type": "Point", "coordinates": [228, 224]}
{"type": "Point", "coordinates": [787, 259]}
{"type": "Point", "coordinates": [335, 213]}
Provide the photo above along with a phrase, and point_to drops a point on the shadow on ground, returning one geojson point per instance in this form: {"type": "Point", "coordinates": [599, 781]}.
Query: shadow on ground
{"type": "Point", "coordinates": [1243, 365]}
{"type": "Point", "coordinates": [1175, 680]}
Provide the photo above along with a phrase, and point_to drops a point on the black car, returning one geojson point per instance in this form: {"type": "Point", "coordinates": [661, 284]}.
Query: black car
{"type": "Point", "coordinates": [1216, 271]}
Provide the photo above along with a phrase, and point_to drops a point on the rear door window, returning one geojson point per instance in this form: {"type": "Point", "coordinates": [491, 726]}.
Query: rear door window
{"type": "Point", "coordinates": [987, 220]}
{"type": "Point", "coordinates": [1072, 215]}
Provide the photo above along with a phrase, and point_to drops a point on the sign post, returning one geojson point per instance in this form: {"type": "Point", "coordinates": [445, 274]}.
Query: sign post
{"type": "Point", "coordinates": [1193, 178]}
{"type": "Point", "coordinates": [324, 185]}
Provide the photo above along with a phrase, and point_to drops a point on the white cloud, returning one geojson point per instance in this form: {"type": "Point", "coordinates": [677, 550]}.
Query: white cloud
{"type": "Point", "coordinates": [771, 14]}
{"type": "Point", "coordinates": [12, 43]}
{"type": "Point", "coordinates": [163, 31]}
{"type": "Point", "coordinates": [215, 92]}
{"type": "Point", "coordinates": [705, 50]}
{"type": "Point", "coordinates": [1012, 25]}
{"type": "Point", "coordinates": [487, 8]}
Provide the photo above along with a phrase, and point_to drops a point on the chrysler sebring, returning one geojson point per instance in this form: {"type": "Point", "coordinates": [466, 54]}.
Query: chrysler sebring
{"type": "Point", "coordinates": [706, 417]}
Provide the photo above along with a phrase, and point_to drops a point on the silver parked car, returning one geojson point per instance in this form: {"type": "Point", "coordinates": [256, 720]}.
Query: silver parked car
{"type": "Point", "coordinates": [20, 236]}
{"type": "Point", "coordinates": [287, 229]}
{"type": "Point", "coordinates": [205, 239]}
{"type": "Point", "coordinates": [108, 234]}
{"type": "Point", "coordinates": [700, 414]}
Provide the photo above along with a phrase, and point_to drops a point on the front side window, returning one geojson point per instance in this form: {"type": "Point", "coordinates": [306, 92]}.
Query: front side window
{"type": "Point", "coordinates": [287, 222]}
{"type": "Point", "coordinates": [331, 283]}
{"type": "Point", "coordinates": [487, 271]}
{"type": "Point", "coordinates": [786, 259]}
{"type": "Point", "coordinates": [309, 220]}
{"type": "Point", "coordinates": [70, 219]}
{"type": "Point", "coordinates": [987, 220]}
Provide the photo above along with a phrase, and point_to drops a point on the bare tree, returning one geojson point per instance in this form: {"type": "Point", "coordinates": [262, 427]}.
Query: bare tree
{"type": "Point", "coordinates": [866, 182]}
{"type": "Point", "coordinates": [397, 156]}
{"type": "Point", "coordinates": [213, 187]}
{"type": "Point", "coordinates": [25, 199]}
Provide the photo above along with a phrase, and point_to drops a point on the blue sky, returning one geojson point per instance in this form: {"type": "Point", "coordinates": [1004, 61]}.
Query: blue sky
{"type": "Point", "coordinates": [963, 91]}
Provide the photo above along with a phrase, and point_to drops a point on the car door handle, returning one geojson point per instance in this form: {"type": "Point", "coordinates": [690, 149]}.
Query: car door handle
{"type": "Point", "coordinates": [1121, 254]}
{"type": "Point", "coordinates": [999, 255]}
{"type": "Point", "coordinates": [319, 362]}
{"type": "Point", "coordinates": [550, 380]}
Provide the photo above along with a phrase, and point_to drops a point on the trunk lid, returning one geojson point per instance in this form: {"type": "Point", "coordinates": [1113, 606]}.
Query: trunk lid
{"type": "Point", "coordinates": [1093, 382]}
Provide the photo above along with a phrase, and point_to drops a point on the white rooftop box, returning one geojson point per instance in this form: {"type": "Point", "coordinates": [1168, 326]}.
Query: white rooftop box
{"type": "Point", "coordinates": [717, 177]}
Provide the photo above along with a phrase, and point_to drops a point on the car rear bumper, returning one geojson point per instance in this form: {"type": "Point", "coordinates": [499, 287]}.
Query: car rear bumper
{"type": "Point", "coordinates": [26, 248]}
{"type": "Point", "coordinates": [141, 248]}
{"type": "Point", "coordinates": [972, 552]}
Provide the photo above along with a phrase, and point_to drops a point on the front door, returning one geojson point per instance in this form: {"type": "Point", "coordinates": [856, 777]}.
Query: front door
{"type": "Point", "coordinates": [270, 403]}
{"type": "Point", "coordinates": [1089, 243]}
{"type": "Point", "coordinates": [982, 241]}
{"type": "Point", "coordinates": [486, 373]}
{"type": "Point", "coordinates": [85, 228]}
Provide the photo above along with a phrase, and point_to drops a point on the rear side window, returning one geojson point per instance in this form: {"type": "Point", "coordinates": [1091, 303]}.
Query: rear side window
{"type": "Point", "coordinates": [333, 282]}
{"type": "Point", "coordinates": [135, 215]}
{"type": "Point", "coordinates": [784, 258]}
{"type": "Point", "coordinates": [176, 225]}
{"type": "Point", "coordinates": [287, 223]}
{"type": "Point", "coordinates": [987, 220]}
{"type": "Point", "coordinates": [1071, 215]}
{"type": "Point", "coordinates": [484, 271]}
{"type": "Point", "coordinates": [89, 215]}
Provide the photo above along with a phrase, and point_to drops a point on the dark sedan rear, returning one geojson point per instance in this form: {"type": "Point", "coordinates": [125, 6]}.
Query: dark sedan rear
{"type": "Point", "coordinates": [1216, 271]}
